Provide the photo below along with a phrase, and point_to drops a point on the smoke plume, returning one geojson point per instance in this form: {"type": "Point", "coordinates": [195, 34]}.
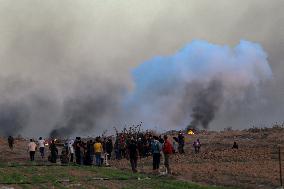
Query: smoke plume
{"type": "Point", "coordinates": [191, 86]}
{"type": "Point", "coordinates": [206, 101]}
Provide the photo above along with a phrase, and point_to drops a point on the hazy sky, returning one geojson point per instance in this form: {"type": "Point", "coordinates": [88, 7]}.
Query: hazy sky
{"type": "Point", "coordinates": [48, 47]}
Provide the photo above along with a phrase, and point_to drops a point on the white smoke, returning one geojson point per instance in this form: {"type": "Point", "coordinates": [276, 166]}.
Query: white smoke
{"type": "Point", "coordinates": [192, 85]}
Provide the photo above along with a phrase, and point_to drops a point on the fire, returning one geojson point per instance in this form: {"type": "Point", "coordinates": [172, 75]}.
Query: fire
{"type": "Point", "coordinates": [190, 132]}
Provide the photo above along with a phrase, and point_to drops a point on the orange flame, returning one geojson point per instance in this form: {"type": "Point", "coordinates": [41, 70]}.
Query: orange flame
{"type": "Point", "coordinates": [190, 132]}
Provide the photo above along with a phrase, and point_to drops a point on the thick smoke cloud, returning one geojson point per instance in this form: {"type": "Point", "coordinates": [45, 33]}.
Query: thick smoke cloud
{"type": "Point", "coordinates": [13, 118]}
{"type": "Point", "coordinates": [187, 88]}
{"type": "Point", "coordinates": [90, 109]}
{"type": "Point", "coordinates": [55, 54]}
{"type": "Point", "coordinates": [193, 84]}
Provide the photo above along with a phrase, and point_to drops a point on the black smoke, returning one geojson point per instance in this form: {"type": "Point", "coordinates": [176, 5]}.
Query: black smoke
{"type": "Point", "coordinates": [206, 102]}
{"type": "Point", "coordinates": [83, 113]}
{"type": "Point", "coordinates": [13, 118]}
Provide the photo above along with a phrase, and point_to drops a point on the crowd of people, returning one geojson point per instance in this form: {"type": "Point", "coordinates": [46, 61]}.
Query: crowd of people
{"type": "Point", "coordinates": [130, 144]}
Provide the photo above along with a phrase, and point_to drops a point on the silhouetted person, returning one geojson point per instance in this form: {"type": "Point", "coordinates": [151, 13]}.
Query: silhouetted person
{"type": "Point", "coordinates": [109, 147]}
{"type": "Point", "coordinates": [133, 154]}
{"type": "Point", "coordinates": [53, 152]}
{"type": "Point", "coordinates": [180, 143]}
{"type": "Point", "coordinates": [64, 158]}
{"type": "Point", "coordinates": [89, 153]}
{"type": "Point", "coordinates": [78, 150]}
{"type": "Point", "coordinates": [235, 145]}
{"type": "Point", "coordinates": [11, 142]}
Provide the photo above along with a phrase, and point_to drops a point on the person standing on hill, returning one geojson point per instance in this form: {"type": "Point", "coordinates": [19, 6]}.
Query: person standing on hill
{"type": "Point", "coordinates": [53, 152]}
{"type": "Point", "coordinates": [109, 147]}
{"type": "Point", "coordinates": [156, 153]}
{"type": "Point", "coordinates": [167, 150]}
{"type": "Point", "coordinates": [98, 148]}
{"type": "Point", "coordinates": [11, 142]}
{"type": "Point", "coordinates": [71, 150]}
{"type": "Point", "coordinates": [31, 149]}
{"type": "Point", "coordinates": [235, 145]}
{"type": "Point", "coordinates": [133, 154]}
{"type": "Point", "coordinates": [197, 146]}
{"type": "Point", "coordinates": [78, 151]}
{"type": "Point", "coordinates": [89, 153]}
{"type": "Point", "coordinates": [41, 146]}
{"type": "Point", "coordinates": [180, 142]}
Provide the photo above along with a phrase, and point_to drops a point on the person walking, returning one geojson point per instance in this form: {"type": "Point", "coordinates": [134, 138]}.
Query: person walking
{"type": "Point", "coordinates": [31, 149]}
{"type": "Point", "coordinates": [41, 143]}
{"type": "Point", "coordinates": [167, 150]}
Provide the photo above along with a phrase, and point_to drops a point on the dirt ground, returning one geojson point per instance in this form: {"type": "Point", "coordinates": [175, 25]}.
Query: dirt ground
{"type": "Point", "coordinates": [253, 165]}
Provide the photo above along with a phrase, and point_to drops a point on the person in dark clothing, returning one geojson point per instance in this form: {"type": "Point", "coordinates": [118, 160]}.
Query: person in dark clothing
{"type": "Point", "coordinates": [235, 145]}
{"type": "Point", "coordinates": [117, 150]}
{"type": "Point", "coordinates": [180, 143]}
{"type": "Point", "coordinates": [197, 146]}
{"type": "Point", "coordinates": [78, 154]}
{"type": "Point", "coordinates": [11, 142]}
{"type": "Point", "coordinates": [133, 154]}
{"type": "Point", "coordinates": [109, 147]}
{"type": "Point", "coordinates": [89, 153]}
{"type": "Point", "coordinates": [53, 152]}
{"type": "Point", "coordinates": [161, 140]}
{"type": "Point", "coordinates": [140, 145]}
{"type": "Point", "coordinates": [64, 158]}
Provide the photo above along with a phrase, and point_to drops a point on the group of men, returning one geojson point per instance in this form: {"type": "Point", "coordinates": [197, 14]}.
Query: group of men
{"type": "Point", "coordinates": [158, 148]}
{"type": "Point", "coordinates": [129, 145]}
{"type": "Point", "coordinates": [33, 145]}
{"type": "Point", "coordinates": [90, 152]}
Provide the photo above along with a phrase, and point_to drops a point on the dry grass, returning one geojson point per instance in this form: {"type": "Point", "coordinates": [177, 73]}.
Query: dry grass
{"type": "Point", "coordinates": [252, 166]}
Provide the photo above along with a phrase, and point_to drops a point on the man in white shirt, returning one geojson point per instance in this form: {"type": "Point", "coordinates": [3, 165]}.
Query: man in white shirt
{"type": "Point", "coordinates": [71, 149]}
{"type": "Point", "coordinates": [32, 149]}
{"type": "Point", "coordinates": [41, 143]}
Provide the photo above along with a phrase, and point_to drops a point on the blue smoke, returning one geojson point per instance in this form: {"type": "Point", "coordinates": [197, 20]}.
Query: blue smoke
{"type": "Point", "coordinates": [166, 87]}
